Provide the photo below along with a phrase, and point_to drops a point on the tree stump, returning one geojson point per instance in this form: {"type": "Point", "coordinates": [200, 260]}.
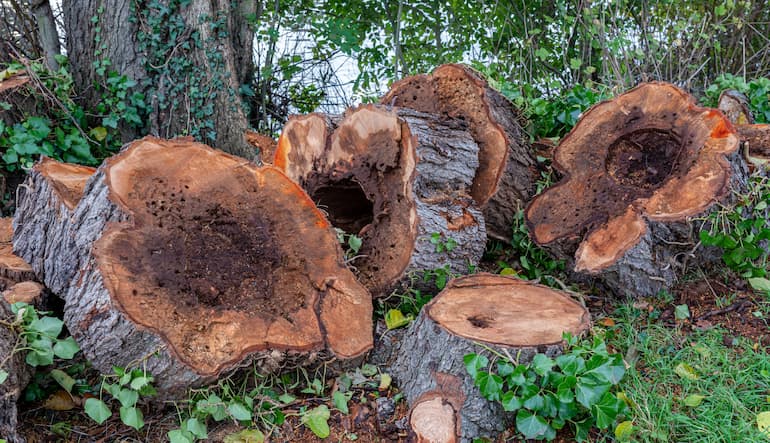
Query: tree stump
{"type": "Point", "coordinates": [754, 137]}
{"type": "Point", "coordinates": [193, 262]}
{"type": "Point", "coordinates": [18, 377]}
{"type": "Point", "coordinates": [637, 170]}
{"type": "Point", "coordinates": [397, 179]}
{"type": "Point", "coordinates": [42, 222]}
{"type": "Point", "coordinates": [506, 314]}
{"type": "Point", "coordinates": [505, 179]}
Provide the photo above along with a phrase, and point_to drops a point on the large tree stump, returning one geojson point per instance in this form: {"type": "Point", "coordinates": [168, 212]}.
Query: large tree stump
{"type": "Point", "coordinates": [193, 262]}
{"type": "Point", "coordinates": [42, 234]}
{"type": "Point", "coordinates": [503, 313]}
{"type": "Point", "coordinates": [505, 179]}
{"type": "Point", "coordinates": [18, 372]}
{"type": "Point", "coordinates": [637, 170]}
{"type": "Point", "coordinates": [396, 178]}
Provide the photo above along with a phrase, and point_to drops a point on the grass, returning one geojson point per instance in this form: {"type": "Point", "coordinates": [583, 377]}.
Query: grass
{"type": "Point", "coordinates": [734, 380]}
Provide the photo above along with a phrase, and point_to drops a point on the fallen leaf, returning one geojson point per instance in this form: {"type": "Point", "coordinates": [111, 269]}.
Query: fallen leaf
{"type": "Point", "coordinates": [686, 371]}
{"type": "Point", "coordinates": [763, 422]}
{"type": "Point", "coordinates": [60, 400]}
{"type": "Point", "coordinates": [607, 322]}
{"type": "Point", "coordinates": [693, 400]}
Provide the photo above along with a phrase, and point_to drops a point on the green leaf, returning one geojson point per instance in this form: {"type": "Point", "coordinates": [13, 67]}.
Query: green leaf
{"type": "Point", "coordinates": [588, 391]}
{"type": "Point", "coordinates": [39, 127]}
{"type": "Point", "coordinates": [99, 133]}
{"type": "Point", "coordinates": [140, 382]}
{"type": "Point", "coordinates": [510, 402]}
{"type": "Point", "coordinates": [246, 436]}
{"type": "Point", "coordinates": [127, 397]}
{"type": "Point", "coordinates": [693, 400]}
{"type": "Point", "coordinates": [64, 379]}
{"type": "Point", "coordinates": [97, 410]}
{"type": "Point", "coordinates": [607, 410]}
{"type": "Point", "coordinates": [3, 376]}
{"type": "Point", "coordinates": [682, 312]}
{"type": "Point", "coordinates": [179, 436]}
{"type": "Point", "coordinates": [531, 425]}
{"type": "Point", "coordinates": [612, 371]}
{"type": "Point", "coordinates": [239, 411]}
{"type": "Point", "coordinates": [49, 326]}
{"type": "Point", "coordinates": [760, 284]}
{"type": "Point", "coordinates": [316, 420]}
{"type": "Point", "coordinates": [66, 348]}
{"type": "Point", "coordinates": [763, 422]}
{"type": "Point", "coordinates": [686, 371]}
{"type": "Point", "coordinates": [196, 427]}
{"type": "Point", "coordinates": [490, 385]}
{"type": "Point", "coordinates": [132, 416]}
{"type": "Point", "coordinates": [212, 406]}
{"type": "Point", "coordinates": [475, 362]}
{"type": "Point", "coordinates": [624, 430]}
{"type": "Point", "coordinates": [41, 353]}
{"type": "Point", "coordinates": [354, 242]}
{"type": "Point", "coordinates": [340, 401]}
{"type": "Point", "coordinates": [542, 364]}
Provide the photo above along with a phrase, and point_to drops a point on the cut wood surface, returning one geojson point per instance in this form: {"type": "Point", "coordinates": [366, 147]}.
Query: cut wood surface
{"type": "Point", "coordinates": [28, 292]}
{"type": "Point", "coordinates": [265, 144]}
{"type": "Point", "coordinates": [42, 223]}
{"type": "Point", "coordinates": [636, 170]}
{"type": "Point", "coordinates": [754, 137]}
{"type": "Point", "coordinates": [396, 178]}
{"type": "Point", "coordinates": [505, 179]}
{"type": "Point", "coordinates": [19, 374]}
{"type": "Point", "coordinates": [13, 269]}
{"type": "Point", "coordinates": [503, 313]}
{"type": "Point", "coordinates": [194, 262]}
{"type": "Point", "coordinates": [757, 140]}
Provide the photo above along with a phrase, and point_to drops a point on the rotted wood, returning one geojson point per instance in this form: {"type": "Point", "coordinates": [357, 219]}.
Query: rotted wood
{"type": "Point", "coordinates": [638, 170]}
{"type": "Point", "coordinates": [472, 315]}
{"type": "Point", "coordinates": [19, 374]}
{"type": "Point", "coordinates": [396, 178]}
{"type": "Point", "coordinates": [193, 262]}
{"type": "Point", "coordinates": [42, 225]}
{"type": "Point", "coordinates": [505, 179]}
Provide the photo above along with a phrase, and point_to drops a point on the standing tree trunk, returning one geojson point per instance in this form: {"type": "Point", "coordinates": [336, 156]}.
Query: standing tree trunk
{"type": "Point", "coordinates": [188, 58]}
{"type": "Point", "coordinates": [637, 171]}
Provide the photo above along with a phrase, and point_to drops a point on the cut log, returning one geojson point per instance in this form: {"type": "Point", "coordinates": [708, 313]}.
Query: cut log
{"type": "Point", "coordinates": [637, 170]}
{"type": "Point", "coordinates": [754, 137]}
{"type": "Point", "coordinates": [473, 313]}
{"type": "Point", "coordinates": [193, 262]}
{"type": "Point", "coordinates": [265, 144]}
{"type": "Point", "coordinates": [42, 223]}
{"type": "Point", "coordinates": [397, 179]}
{"type": "Point", "coordinates": [18, 376]}
{"type": "Point", "coordinates": [505, 179]}
{"type": "Point", "coordinates": [13, 269]}
{"type": "Point", "coordinates": [28, 292]}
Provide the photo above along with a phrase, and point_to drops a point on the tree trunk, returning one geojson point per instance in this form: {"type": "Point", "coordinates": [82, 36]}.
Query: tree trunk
{"type": "Point", "coordinates": [397, 179]}
{"type": "Point", "coordinates": [185, 59]}
{"type": "Point", "coordinates": [18, 376]}
{"type": "Point", "coordinates": [47, 33]}
{"type": "Point", "coordinates": [637, 170]}
{"type": "Point", "coordinates": [192, 263]}
{"type": "Point", "coordinates": [42, 233]}
{"type": "Point", "coordinates": [510, 316]}
{"type": "Point", "coordinates": [505, 179]}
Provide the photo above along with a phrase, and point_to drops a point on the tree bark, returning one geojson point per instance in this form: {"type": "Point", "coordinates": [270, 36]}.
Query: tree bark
{"type": "Point", "coordinates": [191, 263]}
{"type": "Point", "coordinates": [637, 170]}
{"type": "Point", "coordinates": [505, 179]}
{"type": "Point", "coordinates": [510, 316]}
{"type": "Point", "coordinates": [18, 377]}
{"type": "Point", "coordinates": [396, 178]}
{"type": "Point", "coordinates": [42, 226]}
{"type": "Point", "coordinates": [185, 59]}
{"type": "Point", "coordinates": [47, 33]}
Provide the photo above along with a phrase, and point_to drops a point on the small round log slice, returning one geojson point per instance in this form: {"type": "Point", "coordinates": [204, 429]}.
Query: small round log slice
{"type": "Point", "coordinates": [505, 179]}
{"type": "Point", "coordinates": [28, 292]}
{"type": "Point", "coordinates": [398, 179]}
{"type": "Point", "coordinates": [13, 269]}
{"type": "Point", "coordinates": [42, 222]}
{"type": "Point", "coordinates": [636, 170]}
{"type": "Point", "coordinates": [19, 374]}
{"type": "Point", "coordinates": [203, 262]}
{"type": "Point", "coordinates": [508, 315]}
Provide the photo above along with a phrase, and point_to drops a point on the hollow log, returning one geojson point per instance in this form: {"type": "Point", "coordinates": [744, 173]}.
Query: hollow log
{"type": "Point", "coordinates": [192, 262]}
{"type": "Point", "coordinates": [397, 179]}
{"type": "Point", "coordinates": [42, 223]}
{"type": "Point", "coordinates": [473, 313]}
{"type": "Point", "coordinates": [637, 170]}
{"type": "Point", "coordinates": [505, 179]}
{"type": "Point", "coordinates": [18, 372]}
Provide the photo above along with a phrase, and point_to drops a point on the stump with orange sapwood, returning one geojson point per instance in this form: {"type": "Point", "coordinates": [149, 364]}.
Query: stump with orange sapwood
{"type": "Point", "coordinates": [193, 263]}
{"type": "Point", "coordinates": [476, 314]}
{"type": "Point", "coordinates": [42, 232]}
{"type": "Point", "coordinates": [396, 178]}
{"type": "Point", "coordinates": [505, 179]}
{"type": "Point", "coordinates": [639, 172]}
{"type": "Point", "coordinates": [755, 137]}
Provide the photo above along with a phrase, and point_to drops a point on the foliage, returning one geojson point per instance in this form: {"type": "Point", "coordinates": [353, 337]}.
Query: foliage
{"type": "Point", "coordinates": [128, 388]}
{"type": "Point", "coordinates": [350, 242]}
{"type": "Point", "coordinates": [757, 91]}
{"type": "Point", "coordinates": [743, 232]}
{"type": "Point", "coordinates": [442, 244]}
{"type": "Point", "coordinates": [578, 388]}
{"type": "Point", "coordinates": [38, 337]}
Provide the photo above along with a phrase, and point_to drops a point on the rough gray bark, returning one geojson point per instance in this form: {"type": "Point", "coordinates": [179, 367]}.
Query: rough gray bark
{"type": "Point", "coordinates": [430, 360]}
{"type": "Point", "coordinates": [216, 39]}
{"type": "Point", "coordinates": [42, 225]}
{"type": "Point", "coordinates": [18, 377]}
{"type": "Point", "coordinates": [47, 33]}
{"type": "Point", "coordinates": [414, 172]}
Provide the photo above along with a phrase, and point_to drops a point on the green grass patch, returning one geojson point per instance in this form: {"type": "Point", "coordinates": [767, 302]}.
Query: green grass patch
{"type": "Point", "coordinates": [702, 386]}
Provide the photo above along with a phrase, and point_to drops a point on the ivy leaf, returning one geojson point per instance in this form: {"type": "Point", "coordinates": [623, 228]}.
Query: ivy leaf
{"type": "Point", "coordinates": [64, 379]}
{"type": "Point", "coordinates": [474, 362]}
{"type": "Point", "coordinates": [682, 312]}
{"type": "Point", "coordinates": [607, 410]}
{"type": "Point", "coordinates": [395, 319]}
{"type": "Point", "coordinates": [246, 436]}
{"type": "Point", "coordinates": [588, 391]}
{"type": "Point", "coordinates": [132, 416]}
{"type": "Point", "coordinates": [490, 385]}
{"type": "Point", "coordinates": [127, 398]}
{"type": "Point", "coordinates": [239, 411]}
{"type": "Point", "coordinates": [624, 430]}
{"type": "Point", "coordinates": [510, 402]}
{"type": "Point", "coordinates": [340, 401]}
{"type": "Point", "coordinates": [760, 284]}
{"type": "Point", "coordinates": [196, 428]}
{"type": "Point", "coordinates": [48, 326]}
{"type": "Point", "coordinates": [179, 436]}
{"type": "Point", "coordinates": [542, 364]}
{"type": "Point", "coordinates": [140, 382]}
{"type": "Point", "coordinates": [531, 425]}
{"type": "Point", "coordinates": [317, 420]}
{"type": "Point", "coordinates": [66, 348]}
{"type": "Point", "coordinates": [612, 371]}
{"type": "Point", "coordinates": [97, 410]}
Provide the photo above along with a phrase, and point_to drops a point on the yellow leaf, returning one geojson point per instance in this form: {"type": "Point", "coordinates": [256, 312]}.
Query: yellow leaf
{"type": "Point", "coordinates": [395, 319]}
{"type": "Point", "coordinates": [763, 422]}
{"type": "Point", "coordinates": [60, 400]}
{"type": "Point", "coordinates": [624, 430]}
{"type": "Point", "coordinates": [385, 381]}
{"type": "Point", "coordinates": [622, 396]}
{"type": "Point", "coordinates": [508, 271]}
{"type": "Point", "coordinates": [607, 322]}
{"type": "Point", "coordinates": [693, 400]}
{"type": "Point", "coordinates": [99, 133]}
{"type": "Point", "coordinates": [686, 371]}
